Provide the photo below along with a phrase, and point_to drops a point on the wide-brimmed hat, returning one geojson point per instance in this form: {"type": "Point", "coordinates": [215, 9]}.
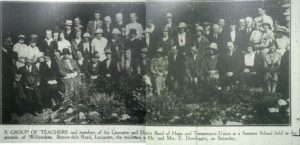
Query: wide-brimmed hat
{"type": "Point", "coordinates": [281, 29]}
{"type": "Point", "coordinates": [182, 25]}
{"type": "Point", "coordinates": [86, 35]}
{"type": "Point", "coordinates": [21, 36]}
{"type": "Point", "coordinates": [266, 24]}
{"type": "Point", "coordinates": [199, 28]}
{"type": "Point", "coordinates": [213, 46]}
{"type": "Point", "coordinates": [115, 31]}
{"type": "Point", "coordinates": [68, 23]}
{"type": "Point", "coordinates": [169, 15]}
{"type": "Point", "coordinates": [160, 49]}
{"type": "Point", "coordinates": [98, 31]}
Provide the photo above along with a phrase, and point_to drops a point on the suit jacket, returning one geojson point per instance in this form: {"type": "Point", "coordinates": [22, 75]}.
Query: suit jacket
{"type": "Point", "coordinates": [87, 54]}
{"type": "Point", "coordinates": [92, 26]}
{"type": "Point", "coordinates": [107, 31]}
{"type": "Point", "coordinates": [188, 41]}
{"type": "Point", "coordinates": [48, 49]}
{"type": "Point", "coordinates": [111, 69]}
{"type": "Point", "coordinates": [230, 63]}
{"type": "Point", "coordinates": [193, 66]}
{"type": "Point", "coordinates": [201, 45]}
{"type": "Point", "coordinates": [75, 48]}
{"type": "Point", "coordinates": [176, 67]}
{"type": "Point", "coordinates": [121, 27]}
{"type": "Point", "coordinates": [30, 78]}
{"type": "Point", "coordinates": [48, 73]}
{"type": "Point", "coordinates": [94, 71]}
{"type": "Point", "coordinates": [219, 39]}
{"type": "Point", "coordinates": [69, 36]}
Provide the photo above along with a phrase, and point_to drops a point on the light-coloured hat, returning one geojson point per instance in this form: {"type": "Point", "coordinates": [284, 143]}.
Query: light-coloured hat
{"type": "Point", "coordinates": [77, 19]}
{"type": "Point", "coordinates": [182, 25]}
{"type": "Point", "coordinates": [144, 50]}
{"type": "Point", "coordinates": [193, 48]}
{"type": "Point", "coordinates": [199, 28]}
{"type": "Point", "coordinates": [33, 36]}
{"type": "Point", "coordinates": [160, 49]}
{"type": "Point", "coordinates": [281, 29]}
{"type": "Point", "coordinates": [107, 18]}
{"type": "Point", "coordinates": [115, 31]}
{"type": "Point", "coordinates": [69, 22]}
{"type": "Point", "coordinates": [86, 34]}
{"type": "Point", "coordinates": [21, 36]}
{"type": "Point", "coordinates": [98, 31]}
{"type": "Point", "coordinates": [169, 15]}
{"type": "Point", "coordinates": [213, 46]}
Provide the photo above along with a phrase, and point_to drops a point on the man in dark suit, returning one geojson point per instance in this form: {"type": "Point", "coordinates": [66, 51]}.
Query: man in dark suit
{"type": "Point", "coordinates": [108, 71]}
{"type": "Point", "coordinates": [48, 46]}
{"type": "Point", "coordinates": [69, 33]}
{"type": "Point", "coordinates": [107, 27]}
{"type": "Point", "coordinates": [176, 70]}
{"type": "Point", "coordinates": [120, 25]}
{"type": "Point", "coordinates": [49, 81]}
{"type": "Point", "coordinates": [31, 85]}
{"type": "Point", "coordinates": [216, 37]}
{"type": "Point", "coordinates": [95, 24]}
{"type": "Point", "coordinates": [230, 65]}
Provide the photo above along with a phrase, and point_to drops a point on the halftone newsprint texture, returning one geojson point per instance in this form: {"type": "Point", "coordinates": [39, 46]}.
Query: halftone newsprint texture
{"type": "Point", "coordinates": [156, 72]}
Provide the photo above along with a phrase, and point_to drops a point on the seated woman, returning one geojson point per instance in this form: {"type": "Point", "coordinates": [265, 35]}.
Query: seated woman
{"type": "Point", "coordinates": [272, 62]}
{"type": "Point", "coordinates": [251, 68]}
{"type": "Point", "coordinates": [209, 66]}
{"type": "Point", "coordinates": [93, 69]}
{"type": "Point", "coordinates": [69, 71]}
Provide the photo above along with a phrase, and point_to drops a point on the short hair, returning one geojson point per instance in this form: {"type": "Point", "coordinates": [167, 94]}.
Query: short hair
{"type": "Point", "coordinates": [133, 13]}
{"type": "Point", "coordinates": [96, 12]}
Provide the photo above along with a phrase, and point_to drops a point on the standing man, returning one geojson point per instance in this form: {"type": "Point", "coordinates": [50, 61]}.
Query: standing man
{"type": "Point", "coordinates": [99, 43]}
{"type": "Point", "coordinates": [182, 39]}
{"type": "Point", "coordinates": [134, 25]}
{"type": "Point", "coordinates": [77, 25]}
{"type": "Point", "coordinates": [263, 17]}
{"type": "Point", "coordinates": [201, 41]}
{"type": "Point", "coordinates": [107, 27]}
{"type": "Point", "coordinates": [85, 46]}
{"type": "Point", "coordinates": [95, 24]}
{"type": "Point", "coordinates": [120, 23]}
{"type": "Point", "coordinates": [69, 34]}
{"type": "Point", "coordinates": [48, 45]}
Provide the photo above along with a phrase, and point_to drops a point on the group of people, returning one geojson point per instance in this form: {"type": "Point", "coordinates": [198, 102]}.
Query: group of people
{"type": "Point", "coordinates": [56, 65]}
{"type": "Point", "coordinates": [253, 52]}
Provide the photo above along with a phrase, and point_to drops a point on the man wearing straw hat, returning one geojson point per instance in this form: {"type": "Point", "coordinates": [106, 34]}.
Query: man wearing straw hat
{"type": "Point", "coordinates": [99, 43]}
{"type": "Point", "coordinates": [69, 34]}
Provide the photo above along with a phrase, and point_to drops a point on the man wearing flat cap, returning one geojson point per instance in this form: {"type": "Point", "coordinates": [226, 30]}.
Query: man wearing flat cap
{"type": "Point", "coordinates": [95, 24]}
{"type": "Point", "coordinates": [99, 43]}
